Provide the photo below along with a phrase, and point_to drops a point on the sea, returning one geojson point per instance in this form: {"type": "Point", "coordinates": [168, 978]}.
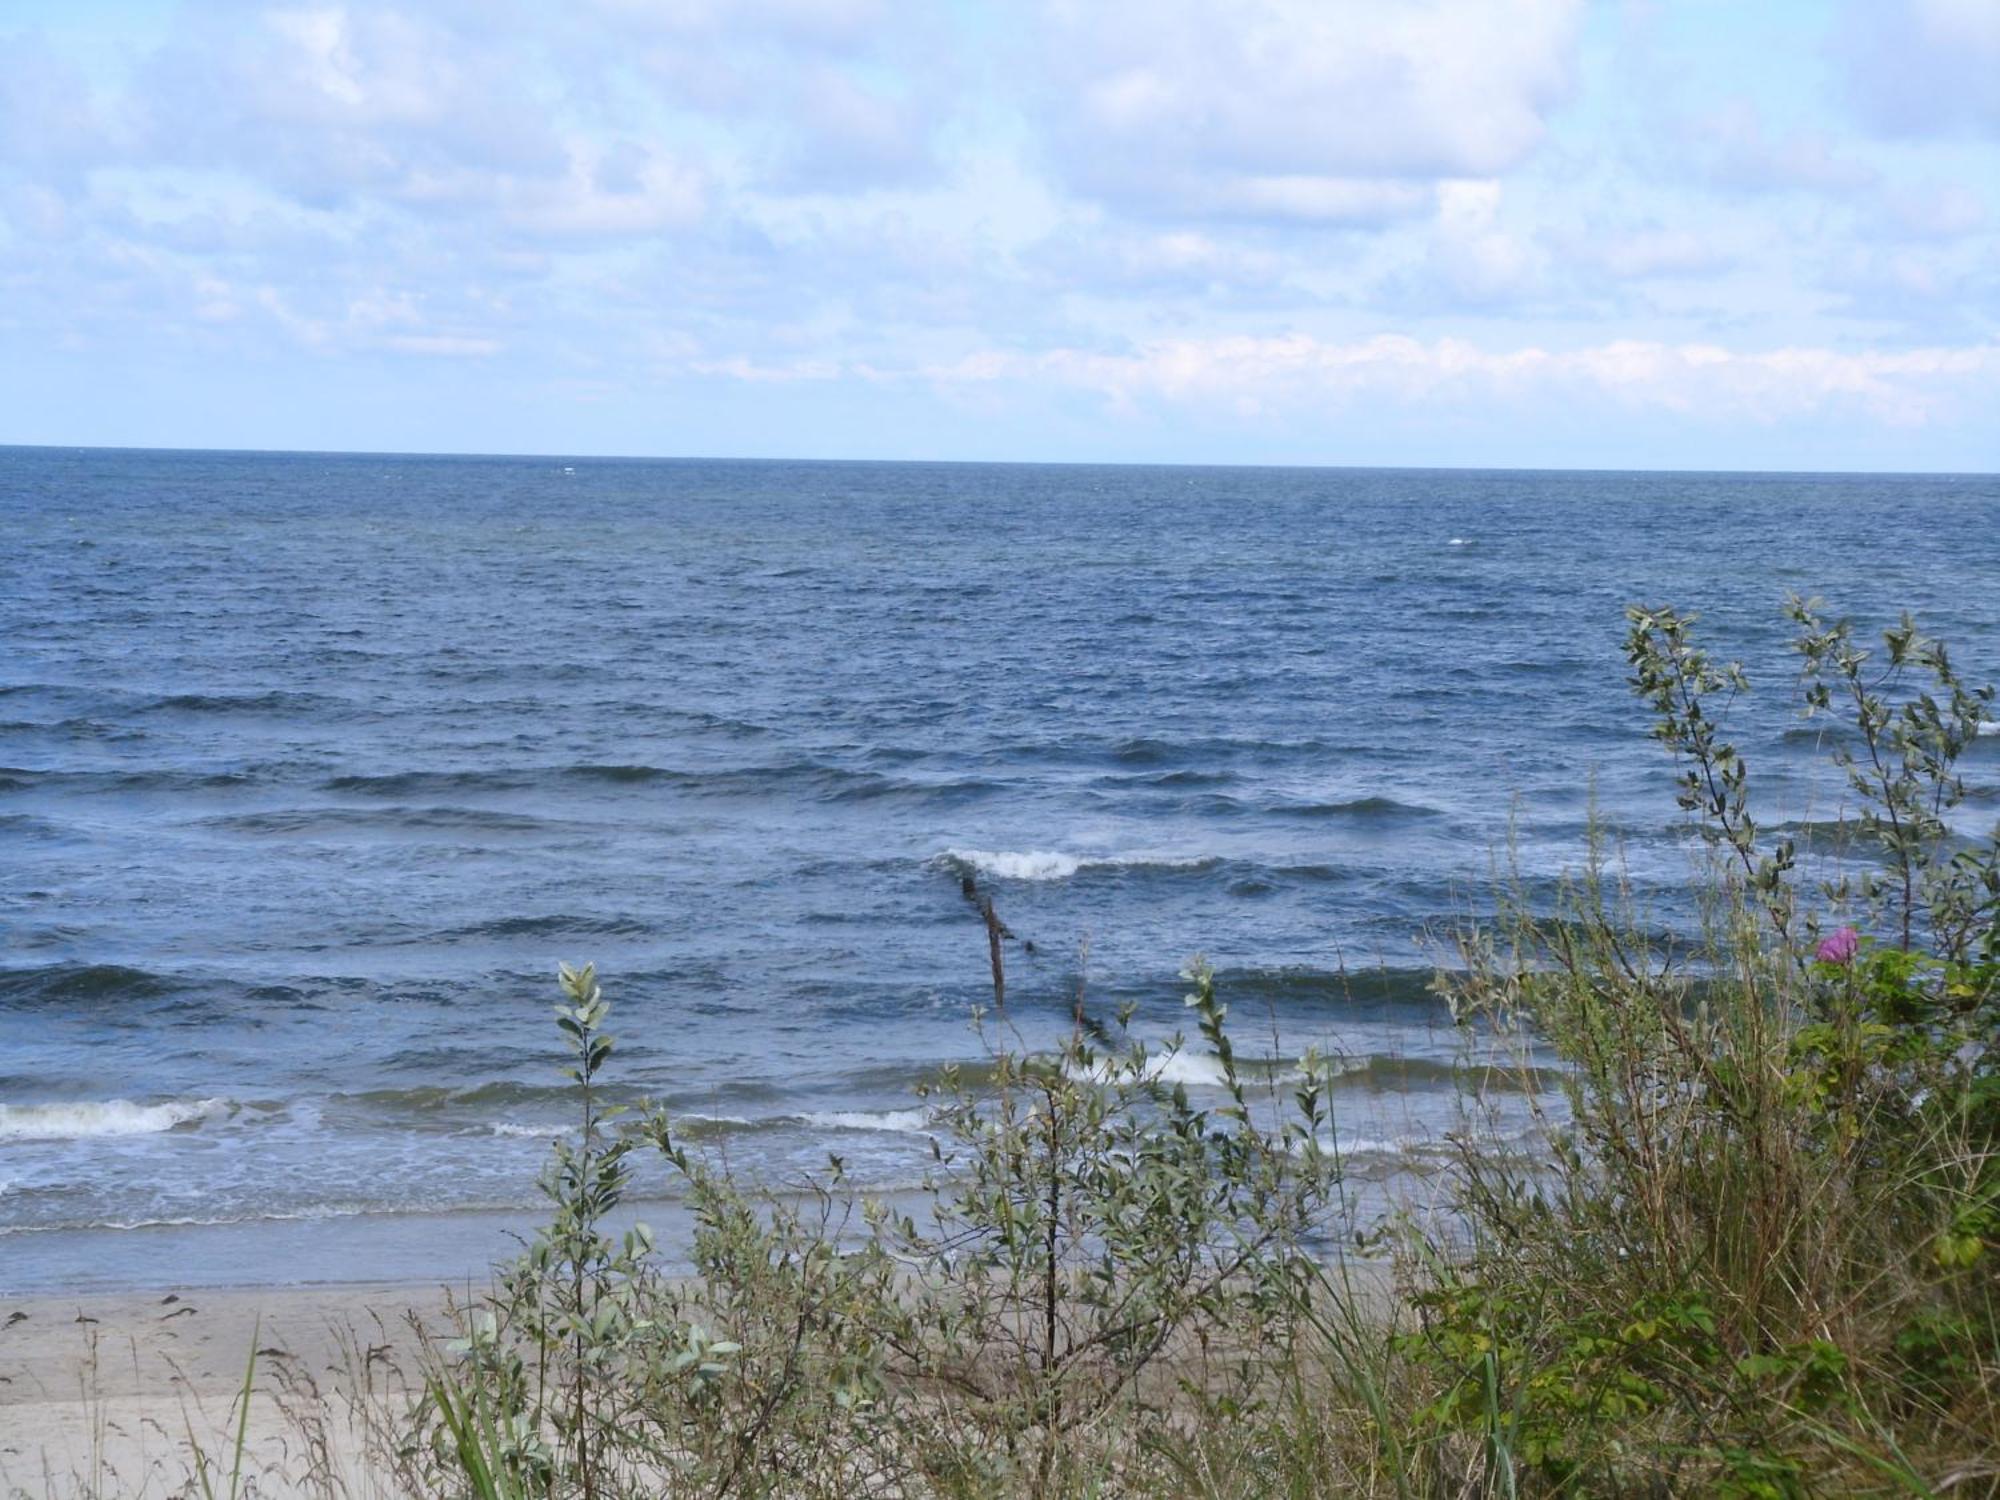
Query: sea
{"type": "Point", "coordinates": [313, 767]}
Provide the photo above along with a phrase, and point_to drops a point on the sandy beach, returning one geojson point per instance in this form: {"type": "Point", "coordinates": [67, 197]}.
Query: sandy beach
{"type": "Point", "coordinates": [118, 1394]}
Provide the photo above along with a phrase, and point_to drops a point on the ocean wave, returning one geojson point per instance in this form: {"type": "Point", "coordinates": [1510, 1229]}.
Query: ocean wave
{"type": "Point", "coordinates": [1813, 732]}
{"type": "Point", "coordinates": [211, 1221]}
{"type": "Point", "coordinates": [1387, 1073]}
{"type": "Point", "coordinates": [897, 1121]}
{"type": "Point", "coordinates": [1416, 1146]}
{"type": "Point", "coordinates": [1033, 864]}
{"type": "Point", "coordinates": [275, 701]}
{"type": "Point", "coordinates": [1370, 809]}
{"type": "Point", "coordinates": [1051, 864]}
{"type": "Point", "coordinates": [25, 778]}
{"type": "Point", "coordinates": [1402, 1148]}
{"type": "Point", "coordinates": [621, 772]}
{"type": "Point", "coordinates": [26, 825]}
{"type": "Point", "coordinates": [90, 1119]}
{"type": "Point", "coordinates": [1180, 1066]}
{"type": "Point", "coordinates": [1838, 835]}
{"type": "Point", "coordinates": [822, 782]}
{"type": "Point", "coordinates": [1194, 1067]}
{"type": "Point", "coordinates": [75, 982]}
{"type": "Point", "coordinates": [872, 788]}
{"type": "Point", "coordinates": [76, 727]}
{"type": "Point", "coordinates": [302, 820]}
{"type": "Point", "coordinates": [1298, 984]}
{"type": "Point", "coordinates": [1374, 1145]}
{"type": "Point", "coordinates": [1168, 780]}
{"type": "Point", "coordinates": [500, 1095]}
{"type": "Point", "coordinates": [687, 1124]}
{"type": "Point", "coordinates": [559, 924]}
{"type": "Point", "coordinates": [1147, 750]}
{"type": "Point", "coordinates": [420, 783]}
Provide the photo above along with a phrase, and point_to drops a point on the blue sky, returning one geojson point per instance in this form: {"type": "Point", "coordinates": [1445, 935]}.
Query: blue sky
{"type": "Point", "coordinates": [1519, 232]}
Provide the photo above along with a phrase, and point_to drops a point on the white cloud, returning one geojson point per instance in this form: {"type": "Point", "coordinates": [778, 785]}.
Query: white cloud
{"type": "Point", "coordinates": [1255, 374]}
{"type": "Point", "coordinates": [799, 201]}
{"type": "Point", "coordinates": [623, 190]}
{"type": "Point", "coordinates": [1474, 258]}
{"type": "Point", "coordinates": [1303, 109]}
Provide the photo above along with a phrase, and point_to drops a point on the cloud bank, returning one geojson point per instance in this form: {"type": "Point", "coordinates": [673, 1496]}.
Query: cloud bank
{"type": "Point", "coordinates": [1243, 231]}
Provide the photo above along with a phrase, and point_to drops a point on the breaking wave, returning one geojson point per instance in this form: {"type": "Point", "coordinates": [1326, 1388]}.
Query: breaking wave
{"type": "Point", "coordinates": [90, 1119]}
{"type": "Point", "coordinates": [1052, 864]}
{"type": "Point", "coordinates": [899, 1121]}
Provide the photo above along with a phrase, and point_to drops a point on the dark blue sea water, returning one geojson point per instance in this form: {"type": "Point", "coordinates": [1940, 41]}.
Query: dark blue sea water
{"type": "Point", "coordinates": [312, 768]}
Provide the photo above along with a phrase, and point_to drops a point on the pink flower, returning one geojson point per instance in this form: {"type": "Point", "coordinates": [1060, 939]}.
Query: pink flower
{"type": "Point", "coordinates": [1839, 947]}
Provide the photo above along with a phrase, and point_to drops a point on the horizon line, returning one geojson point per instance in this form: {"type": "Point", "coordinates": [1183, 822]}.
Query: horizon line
{"type": "Point", "coordinates": [1070, 463]}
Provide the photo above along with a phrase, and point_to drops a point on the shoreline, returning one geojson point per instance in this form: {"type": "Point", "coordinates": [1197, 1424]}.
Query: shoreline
{"type": "Point", "coordinates": [384, 1250]}
{"type": "Point", "coordinates": [113, 1392]}
{"type": "Point", "coordinates": [125, 1392]}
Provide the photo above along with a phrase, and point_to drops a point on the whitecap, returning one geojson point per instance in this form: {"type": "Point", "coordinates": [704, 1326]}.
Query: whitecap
{"type": "Point", "coordinates": [1051, 864]}
{"type": "Point", "coordinates": [899, 1121]}
{"type": "Point", "coordinates": [1194, 1069]}
{"type": "Point", "coordinates": [1369, 1145]}
{"type": "Point", "coordinates": [516, 1130]}
{"type": "Point", "coordinates": [87, 1119]}
{"type": "Point", "coordinates": [1007, 864]}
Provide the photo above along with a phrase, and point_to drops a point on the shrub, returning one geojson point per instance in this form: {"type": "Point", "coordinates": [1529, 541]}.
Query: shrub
{"type": "Point", "coordinates": [1102, 1262]}
{"type": "Point", "coordinates": [1770, 1211]}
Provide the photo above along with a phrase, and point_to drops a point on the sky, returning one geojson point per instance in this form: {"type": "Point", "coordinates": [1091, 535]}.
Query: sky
{"type": "Point", "coordinates": [1546, 233]}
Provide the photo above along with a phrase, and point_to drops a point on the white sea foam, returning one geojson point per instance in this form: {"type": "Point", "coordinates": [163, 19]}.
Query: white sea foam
{"type": "Point", "coordinates": [1989, 726]}
{"type": "Point", "coordinates": [1459, 541]}
{"type": "Point", "coordinates": [1051, 864]}
{"type": "Point", "coordinates": [517, 1130]}
{"type": "Point", "coordinates": [900, 1121]}
{"type": "Point", "coordinates": [1007, 864]}
{"type": "Point", "coordinates": [197, 1221]}
{"type": "Point", "coordinates": [548, 1130]}
{"type": "Point", "coordinates": [1373, 1145]}
{"type": "Point", "coordinates": [1194, 1069]}
{"type": "Point", "coordinates": [87, 1119]}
